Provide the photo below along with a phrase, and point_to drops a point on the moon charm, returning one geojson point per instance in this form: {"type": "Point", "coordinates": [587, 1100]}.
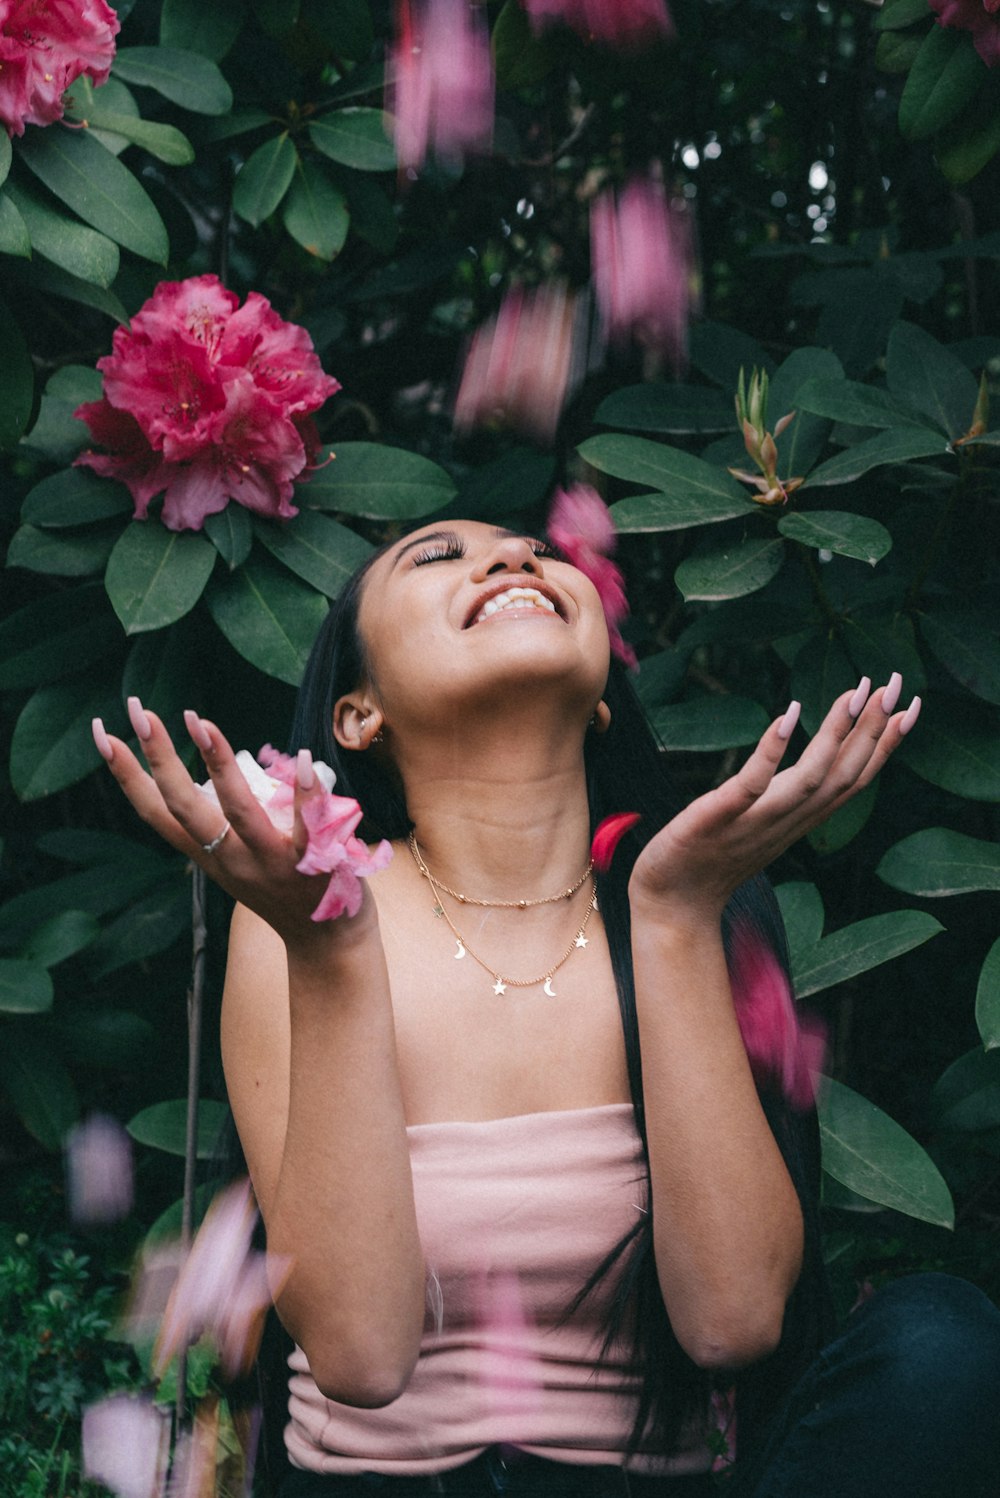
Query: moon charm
{"type": "Point", "coordinates": [461, 948]}
{"type": "Point", "coordinates": [547, 988]}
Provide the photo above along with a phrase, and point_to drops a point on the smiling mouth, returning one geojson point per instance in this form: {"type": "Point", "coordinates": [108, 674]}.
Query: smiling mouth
{"type": "Point", "coordinates": [515, 600]}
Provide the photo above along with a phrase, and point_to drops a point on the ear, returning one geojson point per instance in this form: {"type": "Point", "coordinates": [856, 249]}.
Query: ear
{"type": "Point", "coordinates": [356, 720]}
{"type": "Point", "coordinates": [601, 721]}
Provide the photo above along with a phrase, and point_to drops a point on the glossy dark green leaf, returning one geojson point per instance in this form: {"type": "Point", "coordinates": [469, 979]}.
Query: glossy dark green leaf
{"type": "Point", "coordinates": [163, 1126]}
{"type": "Point", "coordinates": [854, 404]}
{"type": "Point", "coordinates": [52, 746]}
{"type": "Point", "coordinates": [676, 511]}
{"type": "Point", "coordinates": [196, 27]}
{"type": "Point", "coordinates": [74, 496]}
{"type": "Point", "coordinates": [678, 474]}
{"type": "Point", "coordinates": [967, 1094]}
{"type": "Point", "coordinates": [957, 748]}
{"type": "Point", "coordinates": [519, 479]}
{"type": "Point", "coordinates": [228, 126]}
{"type": "Point", "coordinates": [52, 280]}
{"type": "Point", "coordinates": [898, 445]}
{"type": "Point", "coordinates": [858, 310]}
{"type": "Point", "coordinates": [60, 553]}
{"type": "Point", "coordinates": [155, 576]}
{"type": "Point", "coordinates": [938, 861]}
{"type": "Point", "coordinates": [899, 13]}
{"type": "Point", "coordinates": [60, 937]}
{"type": "Point", "coordinates": [56, 636]}
{"type": "Point", "coordinates": [268, 617]}
{"type": "Point", "coordinates": [988, 998]}
{"type": "Point", "coordinates": [946, 73]}
{"type": "Point", "coordinates": [316, 549]}
{"type": "Point", "coordinates": [356, 136]}
{"type": "Point", "coordinates": [710, 723]}
{"type": "Point", "coordinates": [108, 888]}
{"type": "Point", "coordinates": [231, 533]}
{"type": "Point", "coordinates": [25, 987]}
{"type": "Point", "coordinates": [372, 213]}
{"type": "Point", "coordinates": [802, 912]}
{"type": "Point", "coordinates": [264, 179]}
{"type": "Point", "coordinates": [106, 1038]}
{"type": "Point", "coordinates": [14, 236]}
{"type": "Point", "coordinates": [730, 571]}
{"type": "Point", "coordinates": [967, 146]}
{"type": "Point", "coordinates": [859, 948]}
{"type": "Point", "coordinates": [822, 670]}
{"type": "Point", "coordinates": [185, 78]}
{"type": "Point", "coordinates": [95, 184]}
{"type": "Point", "coordinates": [383, 483]}
{"type": "Point", "coordinates": [37, 1085]}
{"type": "Point", "coordinates": [838, 531]}
{"type": "Point", "coordinates": [521, 58]}
{"type": "Point", "coordinates": [719, 352]}
{"type": "Point", "coordinates": [162, 668]}
{"type": "Point", "coordinates": [896, 52]}
{"type": "Point", "coordinates": [660, 677]}
{"type": "Point", "coordinates": [967, 644]}
{"type": "Point", "coordinates": [667, 408]}
{"type": "Point", "coordinates": [165, 142]}
{"type": "Point", "coordinates": [144, 930]}
{"type": "Point", "coordinates": [878, 644]}
{"type": "Point", "coordinates": [112, 97]}
{"type": "Point", "coordinates": [869, 1152]}
{"type": "Point", "coordinates": [846, 822]}
{"type": "Point", "coordinates": [802, 441]}
{"type": "Point", "coordinates": [17, 381]}
{"type": "Point", "coordinates": [315, 212]}
{"type": "Point", "coordinates": [926, 376]}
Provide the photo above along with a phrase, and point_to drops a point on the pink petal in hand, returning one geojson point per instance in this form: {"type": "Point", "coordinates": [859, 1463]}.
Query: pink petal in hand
{"type": "Point", "coordinates": [607, 837]}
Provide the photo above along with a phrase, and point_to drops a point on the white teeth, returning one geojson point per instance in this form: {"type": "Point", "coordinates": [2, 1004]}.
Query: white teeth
{"type": "Point", "coordinates": [515, 598]}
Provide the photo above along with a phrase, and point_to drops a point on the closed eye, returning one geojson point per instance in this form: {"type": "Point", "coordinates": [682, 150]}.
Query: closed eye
{"type": "Point", "coordinates": [448, 550]}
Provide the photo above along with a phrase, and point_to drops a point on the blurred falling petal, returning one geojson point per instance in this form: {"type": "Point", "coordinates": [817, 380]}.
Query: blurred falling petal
{"type": "Point", "coordinates": [618, 23]}
{"type": "Point", "coordinates": [441, 95]}
{"type": "Point", "coordinates": [126, 1441]}
{"type": "Point", "coordinates": [523, 364]}
{"type": "Point", "coordinates": [608, 835]}
{"type": "Point", "coordinates": [152, 1285]}
{"type": "Point", "coordinates": [193, 1472]}
{"type": "Point", "coordinates": [99, 1170]}
{"type": "Point", "coordinates": [241, 1319]}
{"type": "Point", "coordinates": [642, 254]}
{"type": "Point", "coordinates": [781, 1045]}
{"type": "Point", "coordinates": [510, 1374]}
{"type": "Point", "coordinates": [724, 1415]}
{"type": "Point", "coordinates": [580, 525]}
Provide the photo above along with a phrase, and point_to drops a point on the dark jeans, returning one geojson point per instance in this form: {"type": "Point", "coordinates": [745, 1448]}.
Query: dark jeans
{"type": "Point", "coordinates": [904, 1403]}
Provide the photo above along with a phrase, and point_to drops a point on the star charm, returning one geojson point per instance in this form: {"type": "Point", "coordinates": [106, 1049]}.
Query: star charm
{"type": "Point", "coordinates": [438, 912]}
{"type": "Point", "coordinates": [581, 940]}
{"type": "Point", "coordinates": [499, 986]}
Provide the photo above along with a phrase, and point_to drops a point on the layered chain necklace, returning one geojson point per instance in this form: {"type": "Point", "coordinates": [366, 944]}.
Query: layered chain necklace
{"type": "Point", "coordinates": [502, 981]}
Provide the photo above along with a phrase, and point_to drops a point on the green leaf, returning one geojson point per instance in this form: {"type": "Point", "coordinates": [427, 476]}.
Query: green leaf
{"type": "Point", "coordinates": [60, 937]}
{"type": "Point", "coordinates": [95, 184]}
{"type": "Point", "coordinates": [946, 73]}
{"type": "Point", "coordinates": [55, 636]}
{"type": "Point", "coordinates": [382, 483]}
{"type": "Point", "coordinates": [113, 97]}
{"type": "Point", "coordinates": [846, 822]}
{"type": "Point", "coordinates": [519, 479]}
{"type": "Point", "coordinates": [54, 281]}
{"type": "Point", "coordinates": [240, 122]}
{"type": "Point", "coordinates": [859, 948]}
{"type": "Point", "coordinates": [957, 747]}
{"type": "Point", "coordinates": [161, 667]}
{"type": "Point", "coordinates": [927, 377]}
{"type": "Point", "coordinates": [163, 1126]}
{"type": "Point", "coordinates": [711, 723]}
{"type": "Point", "coordinates": [938, 861]}
{"type": "Point", "coordinates": [667, 408]}
{"type": "Point", "coordinates": [859, 307]}
{"type": "Point", "coordinates": [37, 1085]}
{"type": "Point", "coordinates": [878, 644]}
{"type": "Point", "coordinates": [988, 999]}
{"type": "Point", "coordinates": [265, 178]}
{"type": "Point", "coordinates": [802, 441]}
{"type": "Point", "coordinates": [17, 381]}
{"type": "Point", "coordinates": [654, 464]}
{"type": "Point", "coordinates": [967, 1094]}
{"type": "Point", "coordinates": [231, 533]}
{"type": "Point", "coordinates": [719, 352]}
{"type": "Point", "coordinates": [155, 576]}
{"type": "Point", "coordinates": [14, 236]}
{"type": "Point", "coordinates": [196, 27]}
{"type": "Point", "coordinates": [52, 746]}
{"type": "Point", "coordinates": [276, 16]}
{"type": "Point", "coordinates": [315, 212]}
{"type": "Point", "coordinates": [25, 987]}
{"type": "Point", "coordinates": [966, 643]}
{"type": "Point", "coordinates": [185, 78]}
{"type": "Point", "coordinates": [898, 445]}
{"type": "Point", "coordinates": [732, 571]}
{"type": "Point", "coordinates": [144, 930]}
{"type": "Point", "coordinates": [838, 531]}
{"type": "Point", "coordinates": [316, 548]}
{"type": "Point", "coordinates": [165, 142]}
{"type": "Point", "coordinates": [853, 403]}
{"type": "Point", "coordinates": [269, 618]}
{"type": "Point", "coordinates": [356, 136]}
{"type": "Point", "coordinates": [867, 1151]}
{"type": "Point", "coordinates": [372, 213]}
{"type": "Point", "coordinates": [62, 554]}
{"type": "Point", "coordinates": [113, 887]}
{"type": "Point", "coordinates": [822, 670]}
{"type": "Point", "coordinates": [6, 157]}
{"type": "Point", "coordinates": [896, 14]}
{"type": "Point", "coordinates": [971, 143]}
{"type": "Point", "coordinates": [895, 53]}
{"type": "Point", "coordinates": [802, 912]}
{"type": "Point", "coordinates": [106, 1038]}
{"type": "Point", "coordinates": [676, 511]}
{"type": "Point", "coordinates": [76, 496]}
{"type": "Point", "coordinates": [521, 58]}
{"type": "Point", "coordinates": [346, 27]}
{"type": "Point", "coordinates": [660, 677]}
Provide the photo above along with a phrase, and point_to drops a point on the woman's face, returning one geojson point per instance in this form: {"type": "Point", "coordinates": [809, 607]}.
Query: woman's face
{"type": "Point", "coordinates": [462, 615]}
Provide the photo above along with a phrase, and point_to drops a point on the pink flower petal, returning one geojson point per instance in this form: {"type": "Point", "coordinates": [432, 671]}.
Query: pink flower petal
{"type": "Point", "coordinates": [441, 96]}
{"type": "Point", "coordinates": [126, 1443]}
{"type": "Point", "coordinates": [581, 526]}
{"type": "Point", "coordinates": [99, 1170]}
{"type": "Point", "coordinates": [781, 1047]}
{"type": "Point", "coordinates": [619, 23]}
{"type": "Point", "coordinates": [608, 835]}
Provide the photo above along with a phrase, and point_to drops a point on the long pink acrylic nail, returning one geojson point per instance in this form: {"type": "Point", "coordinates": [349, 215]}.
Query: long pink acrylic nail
{"type": "Point", "coordinates": [197, 730]}
{"type": "Point", "coordinates": [891, 694]}
{"type": "Point", "coordinates": [138, 719]}
{"type": "Point", "coordinates": [860, 696]}
{"type": "Point", "coordinates": [787, 725]}
{"type": "Point", "coordinates": [911, 715]}
{"type": "Point", "coordinates": [304, 772]}
{"type": "Point", "coordinates": [102, 741]}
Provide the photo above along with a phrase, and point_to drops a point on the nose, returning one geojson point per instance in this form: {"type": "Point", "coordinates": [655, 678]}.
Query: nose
{"type": "Point", "coordinates": [507, 554]}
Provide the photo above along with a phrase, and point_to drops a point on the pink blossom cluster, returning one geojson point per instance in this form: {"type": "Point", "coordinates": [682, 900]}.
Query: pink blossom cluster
{"type": "Point", "coordinates": [581, 526]}
{"type": "Point", "coordinates": [617, 23]}
{"type": "Point", "coordinates": [441, 81]}
{"type": "Point", "coordinates": [44, 46]}
{"type": "Point", "coordinates": [642, 257]}
{"type": "Point", "coordinates": [207, 401]}
{"type": "Point", "coordinates": [980, 17]}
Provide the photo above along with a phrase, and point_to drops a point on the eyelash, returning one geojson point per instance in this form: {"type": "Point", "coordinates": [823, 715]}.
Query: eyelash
{"type": "Point", "coordinates": [448, 551]}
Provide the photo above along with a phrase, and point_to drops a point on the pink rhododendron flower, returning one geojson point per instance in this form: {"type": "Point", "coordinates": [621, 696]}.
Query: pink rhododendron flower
{"type": "Point", "coordinates": [621, 23]}
{"type": "Point", "coordinates": [333, 849]}
{"type": "Point", "coordinates": [584, 532]}
{"type": "Point", "coordinates": [642, 257]}
{"type": "Point", "coordinates": [980, 17]}
{"type": "Point", "coordinates": [99, 1170]}
{"type": "Point", "coordinates": [272, 782]}
{"type": "Point", "coordinates": [522, 364]}
{"type": "Point", "coordinates": [126, 1445]}
{"type": "Point", "coordinates": [44, 46]}
{"type": "Point", "coordinates": [608, 835]}
{"type": "Point", "coordinates": [207, 401]}
{"type": "Point", "coordinates": [441, 88]}
{"type": "Point", "coordinates": [781, 1046]}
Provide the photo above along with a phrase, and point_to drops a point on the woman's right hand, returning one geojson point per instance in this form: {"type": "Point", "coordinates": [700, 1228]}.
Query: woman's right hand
{"type": "Point", "coordinates": [253, 861]}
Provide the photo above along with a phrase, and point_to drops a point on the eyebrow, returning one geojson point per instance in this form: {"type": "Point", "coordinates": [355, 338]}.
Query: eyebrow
{"type": "Point", "coordinates": [499, 532]}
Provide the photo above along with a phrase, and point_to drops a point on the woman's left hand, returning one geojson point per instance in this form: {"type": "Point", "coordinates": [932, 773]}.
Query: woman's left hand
{"type": "Point", "coordinates": [700, 857]}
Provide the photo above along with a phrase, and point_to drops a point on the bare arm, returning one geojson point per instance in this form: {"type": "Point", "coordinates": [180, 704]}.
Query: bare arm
{"type": "Point", "coordinates": [727, 1224]}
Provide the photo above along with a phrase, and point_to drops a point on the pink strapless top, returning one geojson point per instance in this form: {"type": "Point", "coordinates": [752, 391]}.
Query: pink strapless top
{"type": "Point", "coordinates": [514, 1216]}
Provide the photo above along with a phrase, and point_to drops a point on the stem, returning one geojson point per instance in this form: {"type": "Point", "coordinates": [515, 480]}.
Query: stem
{"type": "Point", "coordinates": [195, 998]}
{"type": "Point", "coordinates": [816, 583]}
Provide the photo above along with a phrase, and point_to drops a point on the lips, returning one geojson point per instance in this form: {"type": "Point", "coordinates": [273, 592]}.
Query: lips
{"type": "Point", "coordinates": [514, 597]}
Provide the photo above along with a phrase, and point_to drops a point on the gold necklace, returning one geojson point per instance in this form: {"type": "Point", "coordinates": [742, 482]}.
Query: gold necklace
{"type": "Point", "coordinates": [562, 894]}
{"type": "Point", "coordinates": [501, 981]}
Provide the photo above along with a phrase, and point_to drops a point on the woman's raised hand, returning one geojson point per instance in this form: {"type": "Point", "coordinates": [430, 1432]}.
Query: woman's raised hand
{"type": "Point", "coordinates": [233, 840]}
{"type": "Point", "coordinates": [700, 857]}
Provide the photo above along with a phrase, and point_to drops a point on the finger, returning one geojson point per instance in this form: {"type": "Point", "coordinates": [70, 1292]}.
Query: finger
{"type": "Point", "coordinates": [307, 787]}
{"type": "Point", "coordinates": [140, 789]}
{"type": "Point", "coordinates": [896, 730]}
{"type": "Point", "coordinates": [237, 802]}
{"type": "Point", "coordinates": [757, 774]}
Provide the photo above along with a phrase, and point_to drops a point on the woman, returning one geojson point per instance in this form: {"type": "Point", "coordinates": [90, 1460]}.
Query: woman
{"type": "Point", "coordinates": [523, 1250]}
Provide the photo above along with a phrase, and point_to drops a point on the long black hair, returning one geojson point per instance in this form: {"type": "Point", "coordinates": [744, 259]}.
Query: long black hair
{"type": "Point", "coordinates": [626, 770]}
